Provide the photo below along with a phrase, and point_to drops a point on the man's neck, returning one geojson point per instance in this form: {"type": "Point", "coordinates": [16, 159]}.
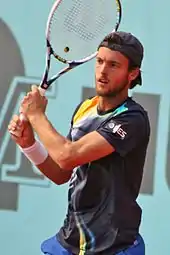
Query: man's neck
{"type": "Point", "coordinates": [107, 103]}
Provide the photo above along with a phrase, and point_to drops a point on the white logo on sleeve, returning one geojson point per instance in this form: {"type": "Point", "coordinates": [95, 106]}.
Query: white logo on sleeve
{"type": "Point", "coordinates": [116, 128]}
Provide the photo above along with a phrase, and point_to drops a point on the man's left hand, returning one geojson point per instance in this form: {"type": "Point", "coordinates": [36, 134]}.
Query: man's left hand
{"type": "Point", "coordinates": [33, 104]}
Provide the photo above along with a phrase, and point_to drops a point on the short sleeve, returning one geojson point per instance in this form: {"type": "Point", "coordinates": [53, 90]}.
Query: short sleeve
{"type": "Point", "coordinates": [69, 137]}
{"type": "Point", "coordinates": [124, 132]}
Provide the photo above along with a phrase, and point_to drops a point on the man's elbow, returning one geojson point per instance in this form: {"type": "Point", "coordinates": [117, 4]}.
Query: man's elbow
{"type": "Point", "coordinates": [59, 182]}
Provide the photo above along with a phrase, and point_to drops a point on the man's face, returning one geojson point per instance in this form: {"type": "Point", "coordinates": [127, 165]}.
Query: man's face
{"type": "Point", "coordinates": [111, 72]}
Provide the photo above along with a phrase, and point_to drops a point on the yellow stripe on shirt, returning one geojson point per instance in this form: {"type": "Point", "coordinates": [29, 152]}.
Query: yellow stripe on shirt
{"type": "Point", "coordinates": [85, 107]}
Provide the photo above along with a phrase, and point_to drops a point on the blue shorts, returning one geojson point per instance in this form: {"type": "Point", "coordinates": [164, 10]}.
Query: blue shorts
{"type": "Point", "coordinates": [53, 247]}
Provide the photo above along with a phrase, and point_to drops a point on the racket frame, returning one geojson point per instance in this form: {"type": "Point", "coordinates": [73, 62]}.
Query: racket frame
{"type": "Point", "coordinates": [45, 83]}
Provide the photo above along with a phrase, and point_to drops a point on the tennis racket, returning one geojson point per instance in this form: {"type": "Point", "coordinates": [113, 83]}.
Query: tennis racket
{"type": "Point", "coordinates": [74, 30]}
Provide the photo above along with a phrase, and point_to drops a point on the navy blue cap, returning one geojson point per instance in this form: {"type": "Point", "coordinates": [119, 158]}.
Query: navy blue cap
{"type": "Point", "coordinates": [129, 46]}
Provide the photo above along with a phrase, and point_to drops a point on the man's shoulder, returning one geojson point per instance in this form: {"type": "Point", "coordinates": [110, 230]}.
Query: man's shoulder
{"type": "Point", "coordinates": [136, 109]}
{"type": "Point", "coordinates": [85, 106]}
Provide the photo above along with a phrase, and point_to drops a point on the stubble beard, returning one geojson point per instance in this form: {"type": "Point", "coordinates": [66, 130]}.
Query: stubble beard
{"type": "Point", "coordinates": [113, 93]}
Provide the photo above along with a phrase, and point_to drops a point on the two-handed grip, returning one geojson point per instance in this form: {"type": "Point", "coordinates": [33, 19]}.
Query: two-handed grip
{"type": "Point", "coordinates": [21, 116]}
{"type": "Point", "coordinates": [42, 92]}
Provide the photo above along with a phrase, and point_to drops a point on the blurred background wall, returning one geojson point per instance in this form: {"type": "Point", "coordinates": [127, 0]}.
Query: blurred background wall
{"type": "Point", "coordinates": [32, 208]}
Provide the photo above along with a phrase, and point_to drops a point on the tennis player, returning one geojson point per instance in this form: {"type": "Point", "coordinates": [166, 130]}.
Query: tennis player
{"type": "Point", "coordinates": [102, 157]}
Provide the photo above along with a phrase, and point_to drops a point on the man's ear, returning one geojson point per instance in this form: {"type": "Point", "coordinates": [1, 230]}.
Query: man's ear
{"type": "Point", "coordinates": [133, 74]}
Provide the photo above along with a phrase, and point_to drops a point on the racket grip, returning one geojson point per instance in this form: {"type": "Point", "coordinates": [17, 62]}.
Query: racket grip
{"type": "Point", "coordinates": [42, 91]}
{"type": "Point", "coordinates": [21, 116]}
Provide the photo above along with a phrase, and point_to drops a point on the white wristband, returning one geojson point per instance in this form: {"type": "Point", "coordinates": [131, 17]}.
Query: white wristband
{"type": "Point", "coordinates": [36, 153]}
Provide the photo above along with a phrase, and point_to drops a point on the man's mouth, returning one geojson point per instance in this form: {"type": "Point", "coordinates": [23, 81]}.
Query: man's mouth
{"type": "Point", "coordinates": [102, 80]}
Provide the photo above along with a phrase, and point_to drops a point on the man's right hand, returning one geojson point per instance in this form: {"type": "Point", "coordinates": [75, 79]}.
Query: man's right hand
{"type": "Point", "coordinates": [21, 132]}
{"type": "Point", "coordinates": [23, 135]}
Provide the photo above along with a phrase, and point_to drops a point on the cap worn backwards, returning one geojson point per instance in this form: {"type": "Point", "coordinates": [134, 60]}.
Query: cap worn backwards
{"type": "Point", "coordinates": [129, 46]}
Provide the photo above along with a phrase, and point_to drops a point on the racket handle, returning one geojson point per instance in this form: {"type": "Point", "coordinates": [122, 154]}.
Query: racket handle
{"type": "Point", "coordinates": [42, 91]}
{"type": "Point", "coordinates": [21, 116]}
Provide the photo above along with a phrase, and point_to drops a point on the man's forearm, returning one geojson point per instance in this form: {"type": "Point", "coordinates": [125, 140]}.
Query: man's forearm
{"type": "Point", "coordinates": [53, 172]}
{"type": "Point", "coordinates": [55, 143]}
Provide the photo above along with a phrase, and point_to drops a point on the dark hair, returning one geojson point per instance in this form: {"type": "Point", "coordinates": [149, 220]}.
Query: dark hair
{"type": "Point", "coordinates": [113, 41]}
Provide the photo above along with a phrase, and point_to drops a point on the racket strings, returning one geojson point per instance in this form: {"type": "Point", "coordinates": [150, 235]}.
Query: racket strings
{"type": "Point", "coordinates": [83, 29]}
{"type": "Point", "coordinates": [80, 25]}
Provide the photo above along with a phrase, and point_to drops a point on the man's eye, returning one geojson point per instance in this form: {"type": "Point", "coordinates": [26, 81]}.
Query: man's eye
{"type": "Point", "coordinates": [99, 61]}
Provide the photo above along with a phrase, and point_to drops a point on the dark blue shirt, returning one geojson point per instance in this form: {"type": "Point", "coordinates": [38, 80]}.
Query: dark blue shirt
{"type": "Point", "coordinates": [103, 216]}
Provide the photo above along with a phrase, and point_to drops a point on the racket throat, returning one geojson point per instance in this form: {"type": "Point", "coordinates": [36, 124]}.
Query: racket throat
{"type": "Point", "coordinates": [64, 61]}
